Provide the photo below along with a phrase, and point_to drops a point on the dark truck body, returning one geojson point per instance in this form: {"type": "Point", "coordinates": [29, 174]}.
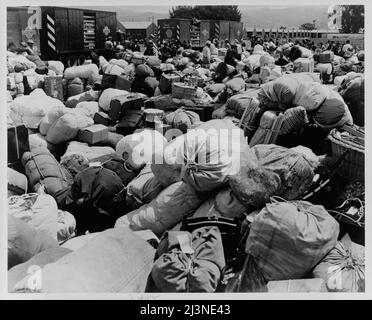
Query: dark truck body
{"type": "Point", "coordinates": [184, 30]}
{"type": "Point", "coordinates": [64, 32]}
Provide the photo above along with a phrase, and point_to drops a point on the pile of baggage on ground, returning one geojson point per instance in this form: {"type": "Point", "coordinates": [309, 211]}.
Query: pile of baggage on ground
{"type": "Point", "coordinates": [133, 175]}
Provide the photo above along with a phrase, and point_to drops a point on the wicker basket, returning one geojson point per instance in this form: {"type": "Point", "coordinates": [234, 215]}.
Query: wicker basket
{"type": "Point", "coordinates": [183, 91]}
{"type": "Point", "coordinates": [352, 167]}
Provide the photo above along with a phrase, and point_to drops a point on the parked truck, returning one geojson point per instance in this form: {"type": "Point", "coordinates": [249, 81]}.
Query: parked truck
{"type": "Point", "coordinates": [197, 32]}
{"type": "Point", "coordinates": [65, 34]}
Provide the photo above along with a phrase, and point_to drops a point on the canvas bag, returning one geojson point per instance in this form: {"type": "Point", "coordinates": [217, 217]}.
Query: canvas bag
{"type": "Point", "coordinates": [124, 264]}
{"type": "Point", "coordinates": [189, 262]}
{"type": "Point", "coordinates": [163, 212]}
{"type": "Point", "coordinates": [24, 241]}
{"type": "Point", "coordinates": [288, 239]}
{"type": "Point", "coordinates": [343, 267]}
{"type": "Point", "coordinates": [39, 211]}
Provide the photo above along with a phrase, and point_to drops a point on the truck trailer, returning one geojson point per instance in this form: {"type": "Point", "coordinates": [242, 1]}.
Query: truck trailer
{"type": "Point", "coordinates": [59, 33]}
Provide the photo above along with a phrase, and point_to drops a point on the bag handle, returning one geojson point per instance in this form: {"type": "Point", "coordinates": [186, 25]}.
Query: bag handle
{"type": "Point", "coordinates": [277, 199]}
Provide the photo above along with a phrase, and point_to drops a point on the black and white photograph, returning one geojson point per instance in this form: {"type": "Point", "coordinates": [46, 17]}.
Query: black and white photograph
{"type": "Point", "coordinates": [184, 147]}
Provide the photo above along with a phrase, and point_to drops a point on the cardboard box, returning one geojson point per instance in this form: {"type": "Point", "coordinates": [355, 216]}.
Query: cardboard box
{"type": "Point", "coordinates": [102, 118]}
{"type": "Point", "coordinates": [297, 285]}
{"type": "Point", "coordinates": [93, 134]}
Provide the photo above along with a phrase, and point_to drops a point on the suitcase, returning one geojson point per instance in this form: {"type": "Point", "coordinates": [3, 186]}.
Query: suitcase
{"type": "Point", "coordinates": [122, 83]}
{"type": "Point", "coordinates": [17, 143]}
{"type": "Point", "coordinates": [303, 65]}
{"type": "Point", "coordinates": [132, 120]}
{"type": "Point", "coordinates": [166, 80]}
{"type": "Point", "coordinates": [121, 104]}
{"type": "Point", "coordinates": [117, 110]}
{"type": "Point", "coordinates": [326, 57]}
{"type": "Point", "coordinates": [53, 87]}
{"type": "Point", "coordinates": [102, 118]}
{"type": "Point", "coordinates": [204, 112]}
{"type": "Point", "coordinates": [108, 81]}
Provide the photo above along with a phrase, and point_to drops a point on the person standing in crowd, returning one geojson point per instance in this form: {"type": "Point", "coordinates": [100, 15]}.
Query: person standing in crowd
{"type": "Point", "coordinates": [213, 47]}
{"type": "Point", "coordinates": [282, 60]}
{"type": "Point", "coordinates": [135, 46]}
{"type": "Point", "coordinates": [245, 53]}
{"type": "Point", "coordinates": [238, 47]}
{"type": "Point", "coordinates": [232, 57]}
{"type": "Point", "coordinates": [150, 49]}
{"type": "Point", "coordinates": [206, 53]}
{"type": "Point", "coordinates": [347, 47]}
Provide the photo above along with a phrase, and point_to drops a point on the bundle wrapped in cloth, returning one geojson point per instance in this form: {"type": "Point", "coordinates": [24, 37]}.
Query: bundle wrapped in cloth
{"type": "Point", "coordinates": [204, 157]}
{"type": "Point", "coordinates": [288, 239]}
{"type": "Point", "coordinates": [279, 171]}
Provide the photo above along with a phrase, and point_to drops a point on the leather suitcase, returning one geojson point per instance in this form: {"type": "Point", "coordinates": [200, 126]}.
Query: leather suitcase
{"type": "Point", "coordinates": [18, 143]}
{"type": "Point", "coordinates": [122, 83]}
{"type": "Point", "coordinates": [122, 104]}
{"type": "Point", "coordinates": [132, 120]}
{"type": "Point", "coordinates": [204, 112]}
{"type": "Point", "coordinates": [102, 118]}
{"type": "Point", "coordinates": [108, 81]}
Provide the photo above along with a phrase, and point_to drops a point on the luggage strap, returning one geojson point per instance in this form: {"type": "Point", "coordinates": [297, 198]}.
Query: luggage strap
{"type": "Point", "coordinates": [275, 129]}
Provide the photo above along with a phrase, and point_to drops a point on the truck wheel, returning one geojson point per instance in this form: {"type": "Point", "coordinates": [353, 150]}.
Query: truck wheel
{"type": "Point", "coordinates": [71, 60]}
{"type": "Point", "coordinates": [81, 60]}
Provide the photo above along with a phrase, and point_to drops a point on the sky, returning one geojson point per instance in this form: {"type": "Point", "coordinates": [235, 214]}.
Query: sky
{"type": "Point", "coordinates": [165, 9]}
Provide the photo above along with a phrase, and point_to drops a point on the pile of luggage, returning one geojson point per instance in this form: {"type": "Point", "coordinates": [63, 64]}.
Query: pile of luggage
{"type": "Point", "coordinates": [133, 175]}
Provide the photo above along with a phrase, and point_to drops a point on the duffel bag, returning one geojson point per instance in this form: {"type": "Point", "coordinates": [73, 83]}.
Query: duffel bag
{"type": "Point", "coordinates": [288, 239]}
{"type": "Point", "coordinates": [142, 189]}
{"type": "Point", "coordinates": [39, 211]}
{"type": "Point", "coordinates": [42, 169]}
{"type": "Point", "coordinates": [188, 262]}
{"type": "Point", "coordinates": [165, 211]}
{"type": "Point", "coordinates": [343, 268]}
{"type": "Point", "coordinates": [24, 241]}
{"type": "Point", "coordinates": [124, 264]}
